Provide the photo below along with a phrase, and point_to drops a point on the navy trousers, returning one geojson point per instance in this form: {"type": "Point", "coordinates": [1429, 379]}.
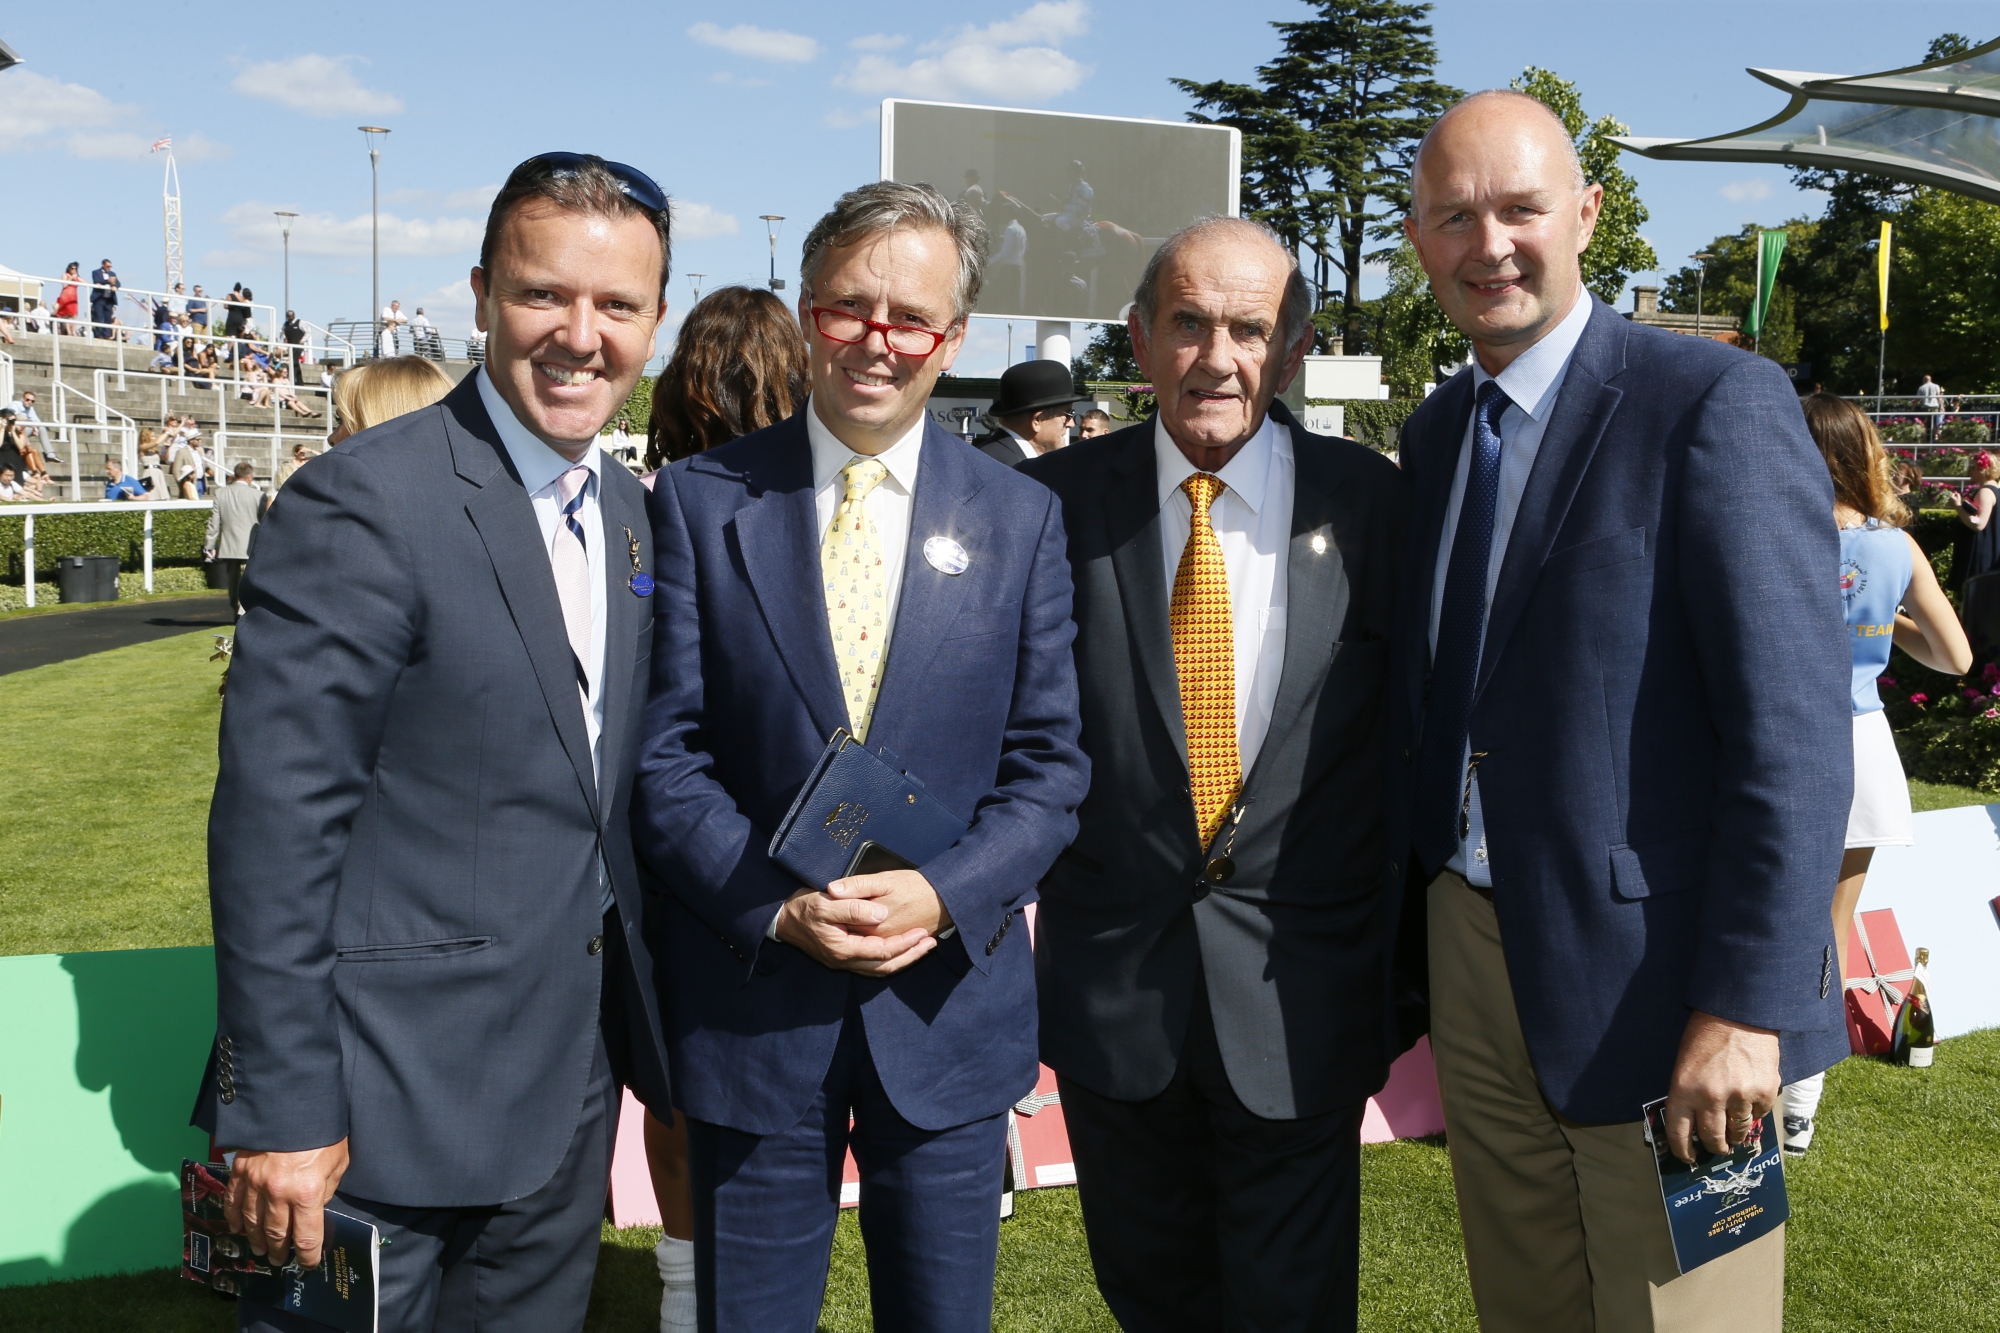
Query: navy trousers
{"type": "Point", "coordinates": [765, 1208]}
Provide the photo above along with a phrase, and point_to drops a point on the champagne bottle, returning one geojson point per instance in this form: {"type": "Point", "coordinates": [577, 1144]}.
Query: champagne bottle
{"type": "Point", "coordinates": [1916, 1032]}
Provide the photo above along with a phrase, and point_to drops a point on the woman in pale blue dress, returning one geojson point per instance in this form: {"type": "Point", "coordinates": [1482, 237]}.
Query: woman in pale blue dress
{"type": "Point", "coordinates": [1890, 595]}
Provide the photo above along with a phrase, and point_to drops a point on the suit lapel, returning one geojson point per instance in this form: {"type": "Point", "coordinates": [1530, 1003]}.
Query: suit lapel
{"type": "Point", "coordinates": [929, 599]}
{"type": "Point", "coordinates": [505, 520]}
{"type": "Point", "coordinates": [1430, 460]}
{"type": "Point", "coordinates": [1316, 593]}
{"type": "Point", "coordinates": [627, 616]}
{"type": "Point", "coordinates": [778, 539]}
{"type": "Point", "coordinates": [1584, 406]}
{"type": "Point", "coordinates": [1132, 523]}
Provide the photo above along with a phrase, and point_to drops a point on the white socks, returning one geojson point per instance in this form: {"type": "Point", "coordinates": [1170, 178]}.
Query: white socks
{"type": "Point", "coordinates": [677, 1304]}
{"type": "Point", "coordinates": [1798, 1104]}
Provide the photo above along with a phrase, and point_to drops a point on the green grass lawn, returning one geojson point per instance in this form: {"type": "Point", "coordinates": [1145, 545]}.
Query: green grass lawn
{"type": "Point", "coordinates": [1895, 1212]}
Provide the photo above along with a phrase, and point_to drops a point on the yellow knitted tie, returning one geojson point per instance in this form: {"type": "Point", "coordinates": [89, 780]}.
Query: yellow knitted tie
{"type": "Point", "coordinates": [850, 561]}
{"type": "Point", "coordinates": [1205, 660]}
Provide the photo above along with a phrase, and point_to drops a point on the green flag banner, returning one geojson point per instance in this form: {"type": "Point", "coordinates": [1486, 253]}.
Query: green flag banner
{"type": "Point", "coordinates": [1770, 248]}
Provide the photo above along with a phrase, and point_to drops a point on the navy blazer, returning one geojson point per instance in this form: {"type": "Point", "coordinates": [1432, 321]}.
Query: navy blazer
{"type": "Point", "coordinates": [405, 838]}
{"type": "Point", "coordinates": [978, 701]}
{"type": "Point", "coordinates": [1663, 703]}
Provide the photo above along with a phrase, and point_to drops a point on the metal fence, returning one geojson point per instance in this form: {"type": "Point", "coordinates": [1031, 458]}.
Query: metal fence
{"type": "Point", "coordinates": [28, 513]}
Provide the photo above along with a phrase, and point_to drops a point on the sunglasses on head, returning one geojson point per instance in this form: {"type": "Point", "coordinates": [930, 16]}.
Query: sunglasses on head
{"type": "Point", "coordinates": [642, 189]}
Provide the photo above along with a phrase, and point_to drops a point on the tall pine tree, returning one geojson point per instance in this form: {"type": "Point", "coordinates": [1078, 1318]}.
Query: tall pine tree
{"type": "Point", "coordinates": [1329, 130]}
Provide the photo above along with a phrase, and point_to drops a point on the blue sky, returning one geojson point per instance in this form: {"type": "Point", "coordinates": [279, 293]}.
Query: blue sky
{"type": "Point", "coordinates": [747, 109]}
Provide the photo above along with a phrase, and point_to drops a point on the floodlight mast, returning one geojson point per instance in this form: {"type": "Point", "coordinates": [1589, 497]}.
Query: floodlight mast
{"type": "Point", "coordinates": [375, 230]}
{"type": "Point", "coordinates": [771, 223]}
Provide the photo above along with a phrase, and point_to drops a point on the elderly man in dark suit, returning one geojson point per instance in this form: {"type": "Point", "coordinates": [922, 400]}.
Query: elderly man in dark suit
{"type": "Point", "coordinates": [430, 969]}
{"type": "Point", "coordinates": [856, 568]}
{"type": "Point", "coordinates": [1623, 682]}
{"type": "Point", "coordinates": [1033, 414]}
{"type": "Point", "coordinates": [1212, 949]}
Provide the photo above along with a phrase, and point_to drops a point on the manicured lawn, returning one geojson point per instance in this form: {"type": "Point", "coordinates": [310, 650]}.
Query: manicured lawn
{"type": "Point", "coordinates": [1942, 796]}
{"type": "Point", "coordinates": [112, 759]}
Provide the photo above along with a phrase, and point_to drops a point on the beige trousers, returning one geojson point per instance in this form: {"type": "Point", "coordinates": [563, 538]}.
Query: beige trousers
{"type": "Point", "coordinates": [1564, 1228]}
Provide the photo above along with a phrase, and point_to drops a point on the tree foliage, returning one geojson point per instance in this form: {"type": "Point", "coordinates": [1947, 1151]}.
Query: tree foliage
{"type": "Point", "coordinates": [1617, 250]}
{"type": "Point", "coordinates": [1329, 129]}
{"type": "Point", "coordinates": [1109, 357]}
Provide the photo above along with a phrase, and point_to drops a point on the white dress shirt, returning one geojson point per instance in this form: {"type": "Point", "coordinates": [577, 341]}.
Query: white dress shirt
{"type": "Point", "coordinates": [888, 505]}
{"type": "Point", "coordinates": [1252, 519]}
{"type": "Point", "coordinates": [539, 467]}
{"type": "Point", "coordinates": [1532, 382]}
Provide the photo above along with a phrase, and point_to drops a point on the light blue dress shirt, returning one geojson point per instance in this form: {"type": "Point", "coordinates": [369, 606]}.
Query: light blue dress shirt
{"type": "Point", "coordinates": [1532, 383]}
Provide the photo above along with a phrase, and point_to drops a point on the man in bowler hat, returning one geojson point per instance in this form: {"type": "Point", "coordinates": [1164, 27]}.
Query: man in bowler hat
{"type": "Point", "coordinates": [1034, 411]}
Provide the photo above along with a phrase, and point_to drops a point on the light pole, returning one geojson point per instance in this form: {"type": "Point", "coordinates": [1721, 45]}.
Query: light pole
{"type": "Point", "coordinates": [695, 278]}
{"type": "Point", "coordinates": [375, 232]}
{"type": "Point", "coordinates": [771, 221]}
{"type": "Point", "coordinates": [286, 223]}
{"type": "Point", "coordinates": [1700, 274]}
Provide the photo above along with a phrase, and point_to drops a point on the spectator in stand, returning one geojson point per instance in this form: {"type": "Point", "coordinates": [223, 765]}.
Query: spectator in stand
{"type": "Point", "coordinates": [300, 457]}
{"type": "Point", "coordinates": [1976, 513]}
{"type": "Point", "coordinates": [1931, 395]}
{"type": "Point", "coordinates": [10, 445]}
{"type": "Point", "coordinates": [163, 324]}
{"type": "Point", "coordinates": [378, 391]}
{"type": "Point", "coordinates": [286, 395]}
{"type": "Point", "coordinates": [423, 336]}
{"type": "Point", "coordinates": [177, 303]}
{"type": "Point", "coordinates": [232, 527]}
{"type": "Point", "coordinates": [1890, 595]}
{"type": "Point", "coordinates": [28, 462]}
{"type": "Point", "coordinates": [40, 319]}
{"type": "Point", "coordinates": [1094, 423]}
{"type": "Point", "coordinates": [11, 489]}
{"type": "Point", "coordinates": [118, 486]}
{"type": "Point", "coordinates": [152, 472]}
{"type": "Point", "coordinates": [234, 313]}
{"type": "Point", "coordinates": [66, 300]}
{"type": "Point", "coordinates": [739, 365]}
{"type": "Point", "coordinates": [475, 347]}
{"type": "Point", "coordinates": [103, 301]}
{"type": "Point", "coordinates": [393, 318]}
{"type": "Point", "coordinates": [187, 465]}
{"type": "Point", "coordinates": [30, 423]}
{"type": "Point", "coordinates": [6, 325]}
{"type": "Point", "coordinates": [197, 311]}
{"type": "Point", "coordinates": [200, 360]}
{"type": "Point", "coordinates": [293, 334]}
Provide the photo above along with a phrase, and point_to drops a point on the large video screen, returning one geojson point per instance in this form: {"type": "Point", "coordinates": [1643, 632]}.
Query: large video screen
{"type": "Point", "coordinates": [1074, 205]}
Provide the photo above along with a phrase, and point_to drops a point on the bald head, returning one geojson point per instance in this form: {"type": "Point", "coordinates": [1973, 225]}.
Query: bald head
{"type": "Point", "coordinates": [1499, 215]}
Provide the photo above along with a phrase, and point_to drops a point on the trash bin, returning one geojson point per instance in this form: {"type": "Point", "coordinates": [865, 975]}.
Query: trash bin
{"type": "Point", "coordinates": [87, 578]}
{"type": "Point", "coordinates": [215, 574]}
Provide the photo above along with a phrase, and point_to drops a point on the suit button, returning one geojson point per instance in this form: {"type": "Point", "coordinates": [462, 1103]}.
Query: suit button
{"type": "Point", "coordinates": [1406, 758]}
{"type": "Point", "coordinates": [596, 945]}
{"type": "Point", "coordinates": [1395, 869]}
{"type": "Point", "coordinates": [1201, 887]}
{"type": "Point", "coordinates": [228, 1096]}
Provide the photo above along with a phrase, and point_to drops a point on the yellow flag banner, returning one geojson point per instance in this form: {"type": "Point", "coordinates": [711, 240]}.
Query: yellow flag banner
{"type": "Point", "coordinates": [1882, 275]}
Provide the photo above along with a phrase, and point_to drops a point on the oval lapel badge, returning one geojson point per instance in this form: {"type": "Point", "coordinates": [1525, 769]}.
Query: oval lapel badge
{"type": "Point", "coordinates": [945, 555]}
{"type": "Point", "coordinates": [641, 585]}
{"type": "Point", "coordinates": [1319, 544]}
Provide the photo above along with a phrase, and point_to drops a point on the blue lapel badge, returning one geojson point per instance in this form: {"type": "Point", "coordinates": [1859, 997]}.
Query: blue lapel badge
{"type": "Point", "coordinates": [641, 583]}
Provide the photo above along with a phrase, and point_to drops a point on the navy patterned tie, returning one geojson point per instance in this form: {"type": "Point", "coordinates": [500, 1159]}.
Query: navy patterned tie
{"type": "Point", "coordinates": [1461, 629]}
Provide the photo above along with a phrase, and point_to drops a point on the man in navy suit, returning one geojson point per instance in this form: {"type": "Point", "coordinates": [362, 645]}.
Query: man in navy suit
{"type": "Point", "coordinates": [856, 568]}
{"type": "Point", "coordinates": [1622, 666]}
{"type": "Point", "coordinates": [431, 977]}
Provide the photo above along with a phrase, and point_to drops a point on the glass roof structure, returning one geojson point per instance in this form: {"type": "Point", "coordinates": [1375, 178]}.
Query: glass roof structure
{"type": "Point", "coordinates": [1936, 124]}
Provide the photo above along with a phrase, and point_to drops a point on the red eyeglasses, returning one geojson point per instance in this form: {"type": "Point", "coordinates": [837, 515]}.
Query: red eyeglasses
{"type": "Point", "coordinates": [902, 339]}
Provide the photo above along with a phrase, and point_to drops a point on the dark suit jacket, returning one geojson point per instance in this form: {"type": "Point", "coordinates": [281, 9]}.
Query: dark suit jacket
{"type": "Point", "coordinates": [977, 701]}
{"type": "Point", "coordinates": [404, 842]}
{"type": "Point", "coordinates": [1293, 948]}
{"type": "Point", "coordinates": [1663, 703]}
{"type": "Point", "coordinates": [999, 445]}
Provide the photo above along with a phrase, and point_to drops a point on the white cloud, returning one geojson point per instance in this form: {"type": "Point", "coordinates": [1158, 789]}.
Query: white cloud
{"type": "Point", "coordinates": [1014, 60]}
{"type": "Point", "coordinates": [127, 146]}
{"type": "Point", "coordinates": [478, 197]}
{"type": "Point", "coordinates": [840, 118]}
{"type": "Point", "coordinates": [786, 48]}
{"type": "Point", "coordinates": [324, 235]}
{"type": "Point", "coordinates": [449, 307]}
{"type": "Point", "coordinates": [700, 222]}
{"type": "Point", "coordinates": [1746, 192]}
{"type": "Point", "coordinates": [37, 111]}
{"type": "Point", "coordinates": [317, 86]}
{"type": "Point", "coordinates": [878, 41]}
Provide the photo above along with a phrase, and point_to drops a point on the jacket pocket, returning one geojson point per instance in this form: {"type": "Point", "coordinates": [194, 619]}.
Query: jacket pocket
{"type": "Point", "coordinates": [1616, 549]}
{"type": "Point", "coordinates": [1663, 866]}
{"type": "Point", "coordinates": [974, 624]}
{"type": "Point", "coordinates": [397, 953]}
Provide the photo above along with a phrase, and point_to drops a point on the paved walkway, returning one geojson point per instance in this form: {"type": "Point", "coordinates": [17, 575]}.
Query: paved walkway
{"type": "Point", "coordinates": [33, 641]}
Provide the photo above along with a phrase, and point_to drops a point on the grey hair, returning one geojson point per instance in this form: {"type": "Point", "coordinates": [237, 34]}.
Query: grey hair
{"type": "Point", "coordinates": [881, 206]}
{"type": "Point", "coordinates": [1294, 311]}
{"type": "Point", "coordinates": [1569, 145]}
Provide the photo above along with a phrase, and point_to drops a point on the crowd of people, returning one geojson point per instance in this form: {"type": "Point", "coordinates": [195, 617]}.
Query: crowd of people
{"type": "Point", "coordinates": [1261, 720]}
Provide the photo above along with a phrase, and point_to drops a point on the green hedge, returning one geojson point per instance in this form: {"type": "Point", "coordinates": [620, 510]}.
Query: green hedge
{"type": "Point", "coordinates": [177, 538]}
{"type": "Point", "coordinates": [1374, 421]}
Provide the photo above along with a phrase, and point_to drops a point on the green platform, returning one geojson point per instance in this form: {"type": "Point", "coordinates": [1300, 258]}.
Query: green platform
{"type": "Point", "coordinates": [100, 1057]}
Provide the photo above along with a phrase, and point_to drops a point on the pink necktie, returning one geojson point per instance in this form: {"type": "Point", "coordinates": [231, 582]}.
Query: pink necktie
{"type": "Point", "coordinates": [572, 570]}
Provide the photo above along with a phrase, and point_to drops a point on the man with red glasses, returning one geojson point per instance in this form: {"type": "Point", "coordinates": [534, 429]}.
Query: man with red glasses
{"type": "Point", "coordinates": [856, 568]}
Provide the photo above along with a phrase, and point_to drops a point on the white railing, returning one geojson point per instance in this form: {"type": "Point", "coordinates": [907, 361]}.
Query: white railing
{"type": "Point", "coordinates": [147, 508]}
{"type": "Point", "coordinates": [6, 379]}
{"type": "Point", "coordinates": [332, 345]}
{"type": "Point", "coordinates": [263, 315]}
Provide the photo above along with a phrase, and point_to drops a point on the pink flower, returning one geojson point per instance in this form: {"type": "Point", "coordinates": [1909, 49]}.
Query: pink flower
{"type": "Point", "coordinates": [1975, 696]}
{"type": "Point", "coordinates": [1920, 699]}
{"type": "Point", "coordinates": [1991, 712]}
{"type": "Point", "coordinates": [1885, 680]}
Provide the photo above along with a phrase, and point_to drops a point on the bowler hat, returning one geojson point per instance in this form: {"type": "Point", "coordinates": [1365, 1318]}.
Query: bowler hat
{"type": "Point", "coordinates": [1032, 385]}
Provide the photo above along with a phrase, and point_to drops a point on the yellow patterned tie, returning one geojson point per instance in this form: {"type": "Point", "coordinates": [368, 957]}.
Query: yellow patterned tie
{"type": "Point", "coordinates": [1205, 659]}
{"type": "Point", "coordinates": [850, 559]}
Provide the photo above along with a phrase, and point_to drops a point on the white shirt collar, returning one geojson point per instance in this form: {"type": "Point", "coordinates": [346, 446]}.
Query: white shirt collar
{"type": "Point", "coordinates": [1027, 445]}
{"type": "Point", "coordinates": [536, 462]}
{"type": "Point", "coordinates": [829, 455]}
{"type": "Point", "coordinates": [1531, 379]}
{"type": "Point", "coordinates": [1248, 474]}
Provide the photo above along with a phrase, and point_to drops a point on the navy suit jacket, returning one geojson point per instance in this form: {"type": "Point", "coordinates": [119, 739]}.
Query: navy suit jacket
{"type": "Point", "coordinates": [404, 842]}
{"type": "Point", "coordinates": [1663, 703]}
{"type": "Point", "coordinates": [978, 701]}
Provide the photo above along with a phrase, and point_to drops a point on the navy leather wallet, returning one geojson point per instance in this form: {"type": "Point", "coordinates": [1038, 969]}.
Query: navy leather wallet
{"type": "Point", "coordinates": [854, 795]}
